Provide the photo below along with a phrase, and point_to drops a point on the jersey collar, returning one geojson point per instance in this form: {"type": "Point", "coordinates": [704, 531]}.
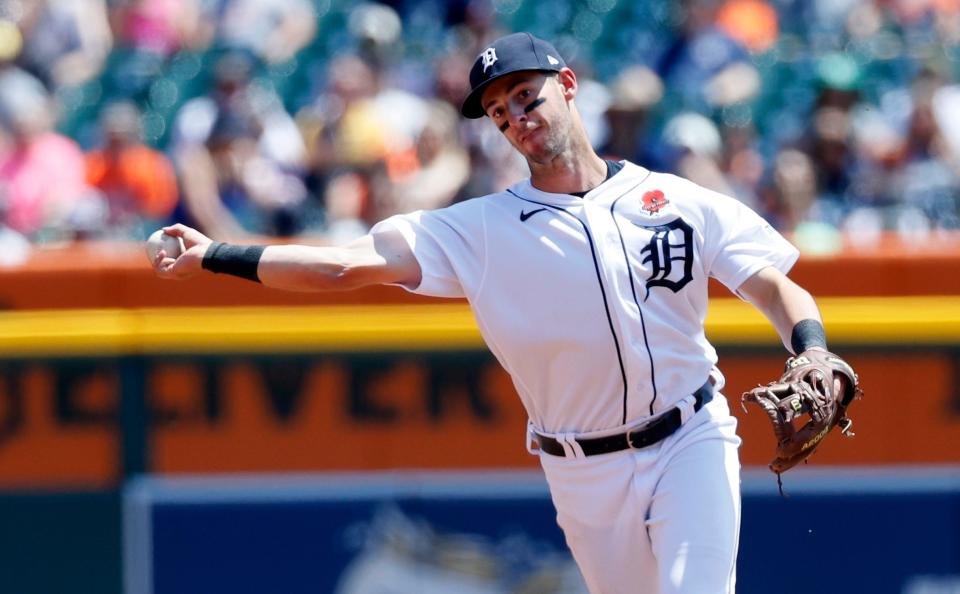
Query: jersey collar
{"type": "Point", "coordinates": [624, 176]}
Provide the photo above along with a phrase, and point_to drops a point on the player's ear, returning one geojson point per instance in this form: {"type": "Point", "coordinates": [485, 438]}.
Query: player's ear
{"type": "Point", "coordinates": [568, 83]}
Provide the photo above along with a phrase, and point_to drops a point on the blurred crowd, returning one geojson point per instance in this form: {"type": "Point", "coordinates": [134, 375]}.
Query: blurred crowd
{"type": "Point", "coordinates": [316, 118]}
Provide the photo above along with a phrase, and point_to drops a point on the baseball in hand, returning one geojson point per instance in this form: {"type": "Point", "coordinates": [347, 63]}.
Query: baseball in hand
{"type": "Point", "coordinates": [173, 246]}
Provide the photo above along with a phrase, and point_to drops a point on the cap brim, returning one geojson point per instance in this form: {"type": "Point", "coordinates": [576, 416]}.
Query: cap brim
{"type": "Point", "coordinates": [471, 107]}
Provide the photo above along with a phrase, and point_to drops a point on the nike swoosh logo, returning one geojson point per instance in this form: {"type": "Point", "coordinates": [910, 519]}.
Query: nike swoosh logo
{"type": "Point", "coordinates": [526, 215]}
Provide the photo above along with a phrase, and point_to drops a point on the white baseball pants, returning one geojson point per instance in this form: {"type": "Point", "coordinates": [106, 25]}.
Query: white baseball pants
{"type": "Point", "coordinates": [661, 520]}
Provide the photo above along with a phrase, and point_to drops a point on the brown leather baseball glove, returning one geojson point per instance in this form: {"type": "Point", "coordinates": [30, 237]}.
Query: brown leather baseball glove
{"type": "Point", "coordinates": [816, 384]}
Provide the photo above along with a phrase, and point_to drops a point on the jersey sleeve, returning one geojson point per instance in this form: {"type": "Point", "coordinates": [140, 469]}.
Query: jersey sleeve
{"type": "Point", "coordinates": [738, 243]}
{"type": "Point", "coordinates": [442, 247]}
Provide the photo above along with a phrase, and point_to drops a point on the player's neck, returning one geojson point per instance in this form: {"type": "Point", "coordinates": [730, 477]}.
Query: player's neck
{"type": "Point", "coordinates": [578, 169]}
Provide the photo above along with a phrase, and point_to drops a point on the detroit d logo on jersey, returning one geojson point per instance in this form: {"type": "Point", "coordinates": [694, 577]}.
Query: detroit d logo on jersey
{"type": "Point", "coordinates": [669, 255]}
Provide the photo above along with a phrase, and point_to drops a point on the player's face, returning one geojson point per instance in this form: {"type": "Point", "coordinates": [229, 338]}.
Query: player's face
{"type": "Point", "coordinates": [530, 109]}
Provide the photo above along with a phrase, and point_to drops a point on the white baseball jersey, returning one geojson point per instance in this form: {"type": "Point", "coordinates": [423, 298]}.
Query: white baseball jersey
{"type": "Point", "coordinates": [595, 305]}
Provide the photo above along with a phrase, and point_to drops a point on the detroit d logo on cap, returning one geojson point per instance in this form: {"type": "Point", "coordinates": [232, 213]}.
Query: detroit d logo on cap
{"type": "Point", "coordinates": [489, 56]}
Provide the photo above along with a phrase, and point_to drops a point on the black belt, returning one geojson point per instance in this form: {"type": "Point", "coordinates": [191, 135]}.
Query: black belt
{"type": "Point", "coordinates": [645, 435]}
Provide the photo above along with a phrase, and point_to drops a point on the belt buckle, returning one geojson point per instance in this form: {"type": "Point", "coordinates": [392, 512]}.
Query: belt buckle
{"type": "Point", "coordinates": [639, 429]}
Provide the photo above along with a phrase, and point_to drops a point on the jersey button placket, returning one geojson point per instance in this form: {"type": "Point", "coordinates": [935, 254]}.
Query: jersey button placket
{"type": "Point", "coordinates": [617, 283]}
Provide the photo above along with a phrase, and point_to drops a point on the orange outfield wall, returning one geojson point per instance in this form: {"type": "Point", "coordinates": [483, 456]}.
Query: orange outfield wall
{"type": "Point", "coordinates": [323, 434]}
{"type": "Point", "coordinates": [241, 414]}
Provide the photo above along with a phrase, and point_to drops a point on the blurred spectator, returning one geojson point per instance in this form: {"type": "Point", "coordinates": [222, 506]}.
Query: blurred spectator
{"type": "Point", "coordinates": [160, 27]}
{"type": "Point", "coordinates": [65, 42]}
{"type": "Point", "coordinates": [634, 92]}
{"type": "Point", "coordinates": [271, 30]}
{"type": "Point", "coordinates": [946, 110]}
{"type": "Point", "coordinates": [742, 164]}
{"type": "Point", "coordinates": [443, 165]}
{"type": "Point", "coordinates": [834, 161]}
{"type": "Point", "coordinates": [480, 26]}
{"type": "Point", "coordinates": [345, 199]}
{"type": "Point", "coordinates": [377, 28]}
{"type": "Point", "coordinates": [234, 90]}
{"type": "Point", "coordinates": [138, 183]}
{"type": "Point", "coordinates": [596, 100]}
{"type": "Point", "coordinates": [42, 173]}
{"type": "Point", "coordinates": [349, 80]}
{"type": "Point", "coordinates": [795, 189]}
{"type": "Point", "coordinates": [928, 178]}
{"type": "Point", "coordinates": [232, 190]}
{"type": "Point", "coordinates": [412, 162]}
{"type": "Point", "coordinates": [838, 78]}
{"type": "Point", "coordinates": [703, 65]}
{"type": "Point", "coordinates": [452, 77]}
{"type": "Point", "coordinates": [752, 23]}
{"type": "Point", "coordinates": [14, 247]}
{"type": "Point", "coordinates": [695, 145]}
{"type": "Point", "coordinates": [829, 145]}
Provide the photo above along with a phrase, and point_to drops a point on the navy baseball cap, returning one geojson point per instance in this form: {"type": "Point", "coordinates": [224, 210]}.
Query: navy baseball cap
{"type": "Point", "coordinates": [512, 53]}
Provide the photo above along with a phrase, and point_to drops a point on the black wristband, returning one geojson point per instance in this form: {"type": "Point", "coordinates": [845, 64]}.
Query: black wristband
{"type": "Point", "coordinates": [806, 334]}
{"type": "Point", "coordinates": [236, 260]}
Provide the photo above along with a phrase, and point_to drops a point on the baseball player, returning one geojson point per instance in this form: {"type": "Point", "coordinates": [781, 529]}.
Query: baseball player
{"type": "Point", "coordinates": [589, 284]}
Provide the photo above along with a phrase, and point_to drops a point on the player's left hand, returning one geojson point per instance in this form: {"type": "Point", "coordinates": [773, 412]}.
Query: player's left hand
{"type": "Point", "coordinates": [817, 385]}
{"type": "Point", "coordinates": [187, 264]}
